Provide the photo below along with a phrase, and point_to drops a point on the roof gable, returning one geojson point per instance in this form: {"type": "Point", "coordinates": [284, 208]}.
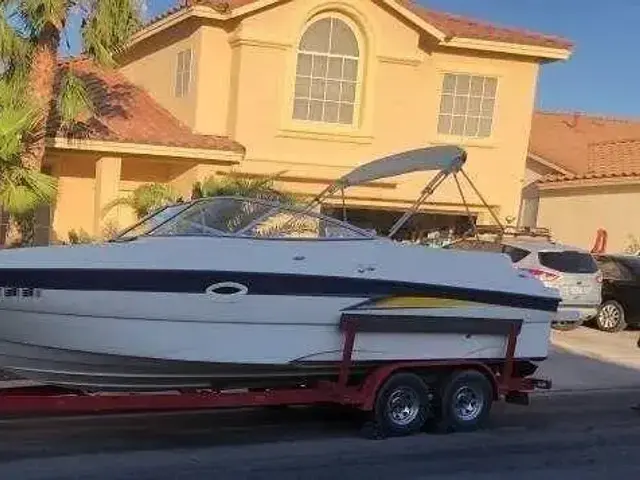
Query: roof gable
{"type": "Point", "coordinates": [126, 113]}
{"type": "Point", "coordinates": [448, 29]}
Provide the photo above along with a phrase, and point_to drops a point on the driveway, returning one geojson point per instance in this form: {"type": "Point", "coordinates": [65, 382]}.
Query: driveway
{"type": "Point", "coordinates": [620, 348]}
{"type": "Point", "coordinates": [587, 359]}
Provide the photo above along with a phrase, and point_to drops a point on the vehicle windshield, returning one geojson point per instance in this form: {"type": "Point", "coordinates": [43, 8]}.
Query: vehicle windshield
{"type": "Point", "coordinates": [224, 216]}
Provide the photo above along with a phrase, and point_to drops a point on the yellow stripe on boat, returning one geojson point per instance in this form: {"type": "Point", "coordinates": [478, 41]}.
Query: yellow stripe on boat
{"type": "Point", "coordinates": [423, 302]}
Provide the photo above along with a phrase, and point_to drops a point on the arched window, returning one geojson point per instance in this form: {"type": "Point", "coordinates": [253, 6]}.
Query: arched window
{"type": "Point", "coordinates": [327, 73]}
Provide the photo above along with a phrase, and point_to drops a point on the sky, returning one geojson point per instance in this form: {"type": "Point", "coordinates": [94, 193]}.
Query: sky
{"type": "Point", "coordinates": [601, 75]}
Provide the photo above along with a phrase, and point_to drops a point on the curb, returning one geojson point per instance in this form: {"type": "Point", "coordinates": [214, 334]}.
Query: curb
{"type": "Point", "coordinates": [569, 391]}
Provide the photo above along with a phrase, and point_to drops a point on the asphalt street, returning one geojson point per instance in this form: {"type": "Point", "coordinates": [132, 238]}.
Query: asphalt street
{"type": "Point", "coordinates": [581, 435]}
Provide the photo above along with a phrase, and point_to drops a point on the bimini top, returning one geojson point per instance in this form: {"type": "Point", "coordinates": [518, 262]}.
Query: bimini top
{"type": "Point", "coordinates": [445, 158]}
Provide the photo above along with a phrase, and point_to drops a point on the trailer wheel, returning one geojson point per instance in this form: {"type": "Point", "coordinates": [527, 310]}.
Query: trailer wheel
{"type": "Point", "coordinates": [402, 406]}
{"type": "Point", "coordinates": [466, 401]}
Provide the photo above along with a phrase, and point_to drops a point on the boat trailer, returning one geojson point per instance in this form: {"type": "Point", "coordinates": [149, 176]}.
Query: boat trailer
{"type": "Point", "coordinates": [400, 397]}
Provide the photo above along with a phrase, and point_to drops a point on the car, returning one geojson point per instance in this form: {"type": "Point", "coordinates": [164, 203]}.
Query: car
{"type": "Point", "coordinates": [620, 292]}
{"type": "Point", "coordinates": [571, 270]}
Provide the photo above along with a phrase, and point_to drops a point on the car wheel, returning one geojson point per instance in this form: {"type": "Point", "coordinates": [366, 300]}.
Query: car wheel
{"type": "Point", "coordinates": [611, 317]}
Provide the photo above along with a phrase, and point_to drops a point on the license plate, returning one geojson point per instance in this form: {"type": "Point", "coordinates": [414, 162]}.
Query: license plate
{"type": "Point", "coordinates": [577, 290]}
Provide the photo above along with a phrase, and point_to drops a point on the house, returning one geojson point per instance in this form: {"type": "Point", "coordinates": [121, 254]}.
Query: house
{"type": "Point", "coordinates": [311, 88]}
{"type": "Point", "coordinates": [583, 174]}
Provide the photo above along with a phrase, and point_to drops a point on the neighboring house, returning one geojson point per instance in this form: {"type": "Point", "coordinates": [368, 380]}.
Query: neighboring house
{"type": "Point", "coordinates": [583, 174]}
{"type": "Point", "coordinates": [311, 87]}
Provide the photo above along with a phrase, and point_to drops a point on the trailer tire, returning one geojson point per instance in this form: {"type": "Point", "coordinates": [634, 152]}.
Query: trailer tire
{"type": "Point", "coordinates": [466, 401]}
{"type": "Point", "coordinates": [402, 406]}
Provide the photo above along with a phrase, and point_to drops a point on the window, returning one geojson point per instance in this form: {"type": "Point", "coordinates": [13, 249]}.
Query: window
{"type": "Point", "coordinates": [326, 73]}
{"type": "Point", "coordinates": [568, 261]}
{"type": "Point", "coordinates": [612, 270]}
{"type": "Point", "coordinates": [516, 253]}
{"type": "Point", "coordinates": [619, 269]}
{"type": "Point", "coordinates": [183, 73]}
{"type": "Point", "coordinates": [467, 105]}
{"type": "Point", "coordinates": [631, 265]}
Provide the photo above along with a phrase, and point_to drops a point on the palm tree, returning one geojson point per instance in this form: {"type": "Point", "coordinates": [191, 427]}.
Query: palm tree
{"type": "Point", "coordinates": [145, 199]}
{"type": "Point", "coordinates": [237, 185]}
{"type": "Point", "coordinates": [22, 190]}
{"type": "Point", "coordinates": [30, 36]}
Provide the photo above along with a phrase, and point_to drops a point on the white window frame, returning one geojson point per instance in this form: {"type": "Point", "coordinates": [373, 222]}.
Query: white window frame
{"type": "Point", "coordinates": [356, 83]}
{"type": "Point", "coordinates": [184, 67]}
{"type": "Point", "coordinates": [466, 98]}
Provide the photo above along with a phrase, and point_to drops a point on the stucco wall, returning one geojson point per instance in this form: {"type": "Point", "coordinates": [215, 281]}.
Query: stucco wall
{"type": "Point", "coordinates": [245, 77]}
{"type": "Point", "coordinates": [399, 104]}
{"type": "Point", "coordinates": [152, 65]}
{"type": "Point", "coordinates": [529, 197]}
{"type": "Point", "coordinates": [75, 206]}
{"type": "Point", "coordinates": [574, 215]}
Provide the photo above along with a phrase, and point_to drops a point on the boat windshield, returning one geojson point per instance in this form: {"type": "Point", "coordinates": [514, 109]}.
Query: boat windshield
{"type": "Point", "coordinates": [151, 221]}
{"type": "Point", "coordinates": [224, 216]}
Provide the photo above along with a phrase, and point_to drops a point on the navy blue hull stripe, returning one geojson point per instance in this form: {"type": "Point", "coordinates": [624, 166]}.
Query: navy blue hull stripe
{"type": "Point", "coordinates": [196, 281]}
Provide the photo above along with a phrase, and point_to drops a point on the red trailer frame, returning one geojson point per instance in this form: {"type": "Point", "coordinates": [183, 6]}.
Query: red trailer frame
{"type": "Point", "coordinates": [57, 400]}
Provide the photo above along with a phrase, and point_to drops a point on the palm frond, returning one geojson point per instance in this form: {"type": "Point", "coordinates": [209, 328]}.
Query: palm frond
{"type": "Point", "coordinates": [237, 185]}
{"type": "Point", "coordinates": [17, 118]}
{"type": "Point", "coordinates": [286, 224]}
{"type": "Point", "coordinates": [22, 190]}
{"type": "Point", "coordinates": [15, 75]}
{"type": "Point", "coordinates": [108, 26]}
{"type": "Point", "coordinates": [144, 199]}
{"type": "Point", "coordinates": [73, 100]}
{"type": "Point", "coordinates": [118, 202]}
{"type": "Point", "coordinates": [14, 48]}
{"type": "Point", "coordinates": [37, 14]}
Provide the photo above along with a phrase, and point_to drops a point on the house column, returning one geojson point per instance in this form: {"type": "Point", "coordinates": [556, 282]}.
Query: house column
{"type": "Point", "coordinates": [107, 189]}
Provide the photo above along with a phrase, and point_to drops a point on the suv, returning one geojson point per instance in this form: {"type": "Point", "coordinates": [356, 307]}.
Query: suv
{"type": "Point", "coordinates": [573, 272]}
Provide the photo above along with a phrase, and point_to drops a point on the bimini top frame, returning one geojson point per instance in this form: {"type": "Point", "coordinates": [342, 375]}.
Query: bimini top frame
{"type": "Point", "coordinates": [446, 160]}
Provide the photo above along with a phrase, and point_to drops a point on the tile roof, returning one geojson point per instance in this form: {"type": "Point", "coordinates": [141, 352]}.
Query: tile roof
{"type": "Point", "coordinates": [126, 113]}
{"type": "Point", "coordinates": [588, 147]}
{"type": "Point", "coordinates": [451, 25]}
{"type": "Point", "coordinates": [464, 27]}
{"type": "Point", "coordinates": [624, 153]}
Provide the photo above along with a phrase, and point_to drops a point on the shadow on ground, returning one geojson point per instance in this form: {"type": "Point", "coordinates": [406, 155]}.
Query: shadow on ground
{"type": "Point", "coordinates": [571, 371]}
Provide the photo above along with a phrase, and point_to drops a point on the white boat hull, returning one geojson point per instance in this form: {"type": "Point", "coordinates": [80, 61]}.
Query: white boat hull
{"type": "Point", "coordinates": [138, 341]}
{"type": "Point", "coordinates": [107, 317]}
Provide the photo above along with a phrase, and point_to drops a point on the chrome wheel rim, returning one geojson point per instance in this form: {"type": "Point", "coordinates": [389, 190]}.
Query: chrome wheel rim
{"type": "Point", "coordinates": [467, 403]}
{"type": "Point", "coordinates": [609, 316]}
{"type": "Point", "coordinates": [403, 406]}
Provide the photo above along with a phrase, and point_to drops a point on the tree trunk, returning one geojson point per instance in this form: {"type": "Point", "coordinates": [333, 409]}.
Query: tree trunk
{"type": "Point", "coordinates": [41, 83]}
{"type": "Point", "coordinates": [26, 225]}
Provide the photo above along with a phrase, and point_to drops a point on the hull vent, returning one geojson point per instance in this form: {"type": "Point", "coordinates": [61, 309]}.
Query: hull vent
{"type": "Point", "coordinates": [19, 292]}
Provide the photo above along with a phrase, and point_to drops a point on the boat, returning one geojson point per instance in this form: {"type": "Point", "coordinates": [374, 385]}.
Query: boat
{"type": "Point", "coordinates": [231, 292]}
